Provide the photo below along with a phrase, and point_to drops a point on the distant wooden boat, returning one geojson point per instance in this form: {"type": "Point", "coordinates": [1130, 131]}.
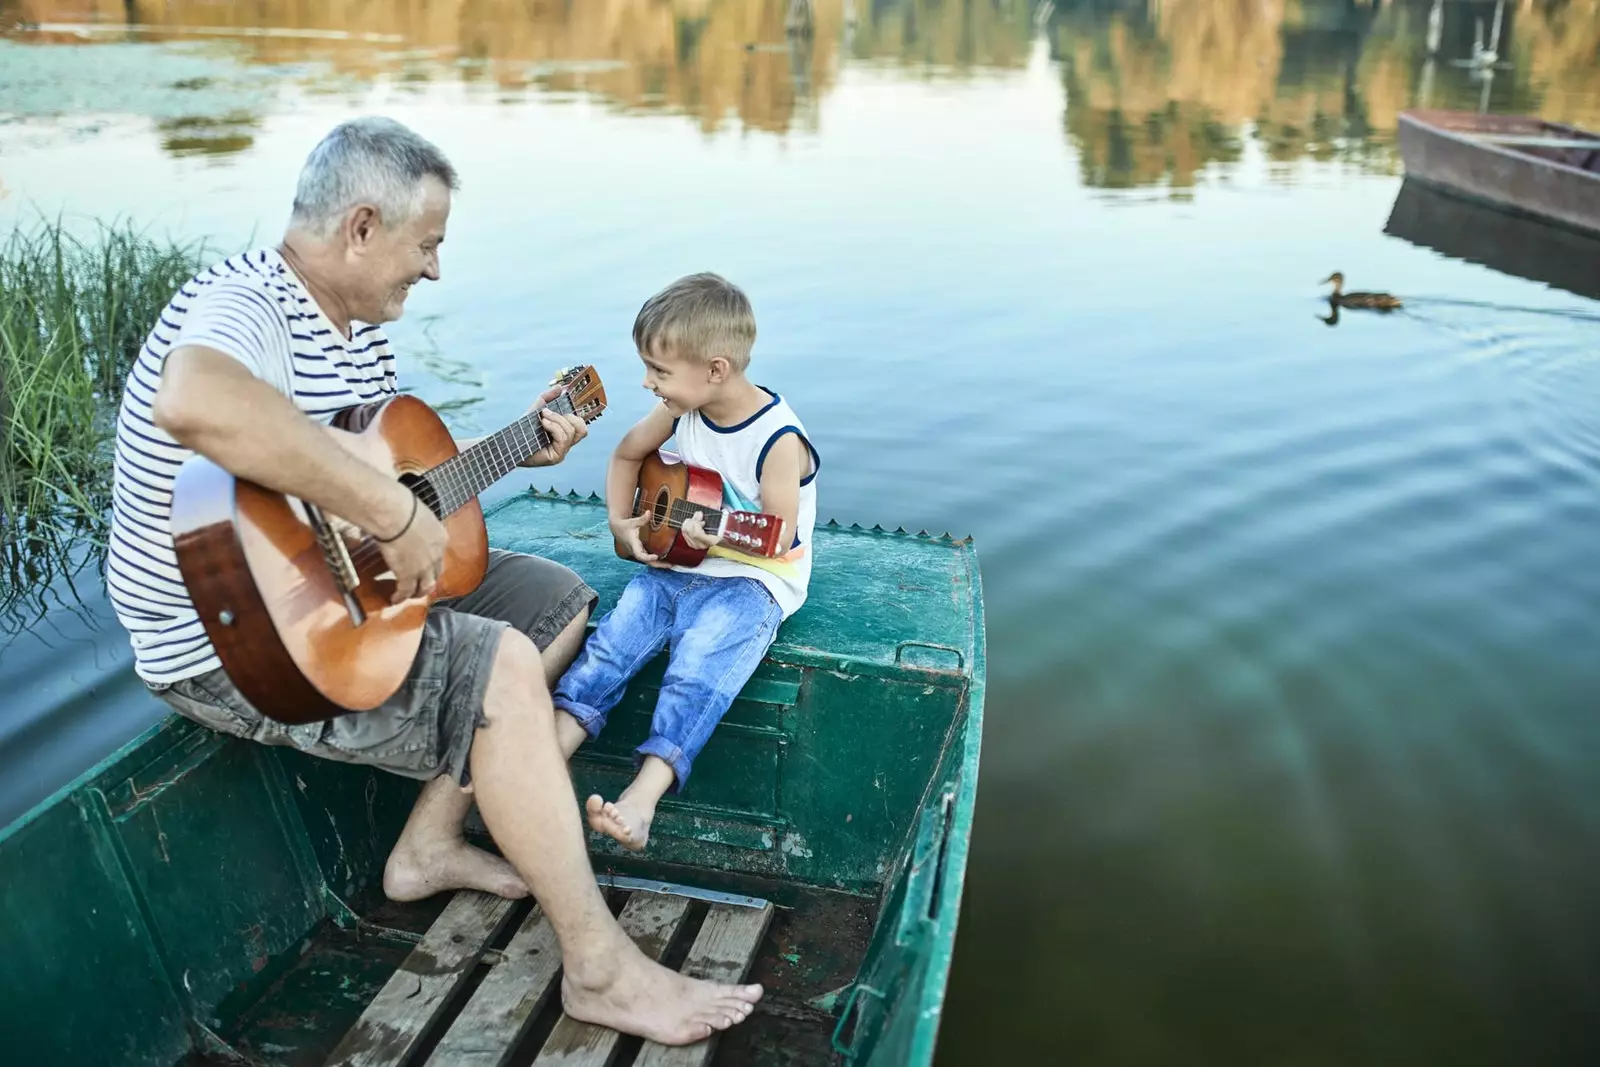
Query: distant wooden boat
{"type": "Point", "coordinates": [1516, 162]}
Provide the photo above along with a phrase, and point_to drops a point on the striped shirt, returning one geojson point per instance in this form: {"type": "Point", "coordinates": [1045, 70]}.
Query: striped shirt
{"type": "Point", "coordinates": [254, 308]}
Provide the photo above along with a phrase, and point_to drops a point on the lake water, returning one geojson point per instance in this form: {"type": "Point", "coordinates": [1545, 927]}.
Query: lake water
{"type": "Point", "coordinates": [1293, 745]}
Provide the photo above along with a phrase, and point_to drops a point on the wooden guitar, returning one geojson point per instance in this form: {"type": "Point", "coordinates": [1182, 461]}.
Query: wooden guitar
{"type": "Point", "coordinates": [297, 611]}
{"type": "Point", "coordinates": [671, 491]}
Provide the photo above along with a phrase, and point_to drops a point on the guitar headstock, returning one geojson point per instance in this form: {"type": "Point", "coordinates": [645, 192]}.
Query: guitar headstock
{"type": "Point", "coordinates": [583, 390]}
{"type": "Point", "coordinates": [753, 533]}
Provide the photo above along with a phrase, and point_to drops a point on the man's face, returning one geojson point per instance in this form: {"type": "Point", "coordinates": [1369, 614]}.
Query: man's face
{"type": "Point", "coordinates": [387, 259]}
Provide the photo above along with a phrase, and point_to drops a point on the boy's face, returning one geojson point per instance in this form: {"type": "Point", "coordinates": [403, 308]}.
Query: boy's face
{"type": "Point", "coordinates": [683, 385]}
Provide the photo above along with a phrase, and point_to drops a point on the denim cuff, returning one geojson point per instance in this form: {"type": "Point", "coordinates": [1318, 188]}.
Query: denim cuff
{"type": "Point", "coordinates": [669, 753]}
{"type": "Point", "coordinates": [591, 720]}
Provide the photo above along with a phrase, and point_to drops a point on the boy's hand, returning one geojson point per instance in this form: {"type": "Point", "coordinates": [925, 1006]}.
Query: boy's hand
{"type": "Point", "coordinates": [626, 533]}
{"type": "Point", "coordinates": [694, 532]}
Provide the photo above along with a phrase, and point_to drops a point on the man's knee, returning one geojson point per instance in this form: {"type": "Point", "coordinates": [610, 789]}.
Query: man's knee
{"type": "Point", "coordinates": [517, 676]}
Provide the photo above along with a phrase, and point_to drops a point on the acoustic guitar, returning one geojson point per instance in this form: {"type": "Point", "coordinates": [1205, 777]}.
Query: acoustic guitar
{"type": "Point", "coordinates": [296, 603]}
{"type": "Point", "coordinates": [671, 491]}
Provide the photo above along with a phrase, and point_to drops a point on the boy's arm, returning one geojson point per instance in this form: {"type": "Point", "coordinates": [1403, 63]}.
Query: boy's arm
{"type": "Point", "coordinates": [622, 476]}
{"type": "Point", "coordinates": [785, 465]}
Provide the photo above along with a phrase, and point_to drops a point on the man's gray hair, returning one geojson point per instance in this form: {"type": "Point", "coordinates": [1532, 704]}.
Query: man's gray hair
{"type": "Point", "coordinates": [369, 160]}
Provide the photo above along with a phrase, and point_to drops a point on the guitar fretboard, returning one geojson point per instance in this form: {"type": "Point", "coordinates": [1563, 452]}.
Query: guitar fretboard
{"type": "Point", "coordinates": [463, 476]}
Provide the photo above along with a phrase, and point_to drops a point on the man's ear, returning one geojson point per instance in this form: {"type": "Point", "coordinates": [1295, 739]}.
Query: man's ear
{"type": "Point", "coordinates": [361, 226]}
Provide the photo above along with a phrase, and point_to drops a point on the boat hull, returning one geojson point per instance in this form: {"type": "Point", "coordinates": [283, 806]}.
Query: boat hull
{"type": "Point", "coordinates": [1516, 163]}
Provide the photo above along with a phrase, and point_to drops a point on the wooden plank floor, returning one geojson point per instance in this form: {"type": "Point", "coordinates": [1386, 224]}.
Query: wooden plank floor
{"type": "Point", "coordinates": [417, 1000]}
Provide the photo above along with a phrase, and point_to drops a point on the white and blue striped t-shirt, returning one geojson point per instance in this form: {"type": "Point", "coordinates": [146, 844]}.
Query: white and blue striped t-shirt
{"type": "Point", "coordinates": [254, 308]}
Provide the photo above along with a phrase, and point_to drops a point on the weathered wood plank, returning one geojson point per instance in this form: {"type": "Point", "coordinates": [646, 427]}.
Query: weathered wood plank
{"type": "Point", "coordinates": [652, 921]}
{"type": "Point", "coordinates": [425, 984]}
{"type": "Point", "coordinates": [723, 952]}
{"type": "Point", "coordinates": [506, 1002]}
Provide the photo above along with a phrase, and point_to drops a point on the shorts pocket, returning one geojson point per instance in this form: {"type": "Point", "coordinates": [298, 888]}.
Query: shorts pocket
{"type": "Point", "coordinates": [211, 700]}
{"type": "Point", "coordinates": [402, 733]}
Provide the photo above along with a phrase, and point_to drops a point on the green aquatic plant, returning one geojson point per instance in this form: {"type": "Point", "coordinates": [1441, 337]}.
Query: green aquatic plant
{"type": "Point", "coordinates": [74, 310]}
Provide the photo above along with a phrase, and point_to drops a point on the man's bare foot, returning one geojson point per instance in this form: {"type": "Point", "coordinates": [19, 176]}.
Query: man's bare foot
{"type": "Point", "coordinates": [412, 873]}
{"type": "Point", "coordinates": [627, 820]}
{"type": "Point", "coordinates": [646, 999]}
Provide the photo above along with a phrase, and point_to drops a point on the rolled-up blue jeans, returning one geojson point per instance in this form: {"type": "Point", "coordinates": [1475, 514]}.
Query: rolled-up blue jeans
{"type": "Point", "coordinates": [718, 628]}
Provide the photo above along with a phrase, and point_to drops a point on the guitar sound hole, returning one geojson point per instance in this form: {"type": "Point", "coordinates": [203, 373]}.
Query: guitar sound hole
{"type": "Point", "coordinates": [425, 490]}
{"type": "Point", "coordinates": [658, 510]}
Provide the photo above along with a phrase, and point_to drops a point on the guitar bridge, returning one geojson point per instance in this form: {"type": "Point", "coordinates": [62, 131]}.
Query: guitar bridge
{"type": "Point", "coordinates": [337, 555]}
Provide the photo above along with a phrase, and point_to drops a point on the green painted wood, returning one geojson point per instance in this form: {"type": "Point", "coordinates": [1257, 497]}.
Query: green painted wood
{"type": "Point", "coordinates": [652, 921]}
{"type": "Point", "coordinates": [507, 1001]}
{"type": "Point", "coordinates": [877, 590]}
{"type": "Point", "coordinates": [426, 983]}
{"type": "Point", "coordinates": [722, 952]}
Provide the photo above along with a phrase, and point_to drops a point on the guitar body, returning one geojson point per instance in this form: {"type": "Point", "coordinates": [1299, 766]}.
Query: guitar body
{"type": "Point", "coordinates": [269, 602]}
{"type": "Point", "coordinates": [670, 491]}
{"type": "Point", "coordinates": [663, 480]}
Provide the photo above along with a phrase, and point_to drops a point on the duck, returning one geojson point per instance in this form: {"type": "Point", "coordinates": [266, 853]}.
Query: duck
{"type": "Point", "coordinates": [1340, 298]}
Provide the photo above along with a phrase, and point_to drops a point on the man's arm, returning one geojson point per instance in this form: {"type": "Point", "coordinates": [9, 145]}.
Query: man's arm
{"type": "Point", "coordinates": [210, 403]}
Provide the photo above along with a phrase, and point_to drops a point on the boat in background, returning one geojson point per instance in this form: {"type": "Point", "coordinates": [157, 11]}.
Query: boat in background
{"type": "Point", "coordinates": [1527, 248]}
{"type": "Point", "coordinates": [1515, 162]}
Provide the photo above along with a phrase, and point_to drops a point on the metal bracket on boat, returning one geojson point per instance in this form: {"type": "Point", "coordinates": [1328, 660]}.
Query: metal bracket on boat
{"type": "Point", "coordinates": [672, 889]}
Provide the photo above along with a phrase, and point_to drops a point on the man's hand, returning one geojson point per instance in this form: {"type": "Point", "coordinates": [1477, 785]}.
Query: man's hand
{"type": "Point", "coordinates": [564, 430]}
{"type": "Point", "coordinates": [417, 555]}
{"type": "Point", "coordinates": [694, 532]}
{"type": "Point", "coordinates": [628, 533]}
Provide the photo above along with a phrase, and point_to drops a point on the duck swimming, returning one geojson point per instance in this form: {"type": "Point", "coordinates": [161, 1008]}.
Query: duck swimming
{"type": "Point", "coordinates": [1340, 298]}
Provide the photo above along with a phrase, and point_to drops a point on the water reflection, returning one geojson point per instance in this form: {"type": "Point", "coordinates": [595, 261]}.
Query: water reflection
{"type": "Point", "coordinates": [1522, 247]}
{"type": "Point", "coordinates": [1160, 90]}
{"type": "Point", "coordinates": [1157, 91]}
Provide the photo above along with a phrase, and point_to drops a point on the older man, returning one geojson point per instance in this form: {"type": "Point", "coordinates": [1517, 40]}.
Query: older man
{"type": "Point", "coordinates": [243, 367]}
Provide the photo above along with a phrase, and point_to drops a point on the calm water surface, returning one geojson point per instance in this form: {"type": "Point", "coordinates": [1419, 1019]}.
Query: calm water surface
{"type": "Point", "coordinates": [1293, 750]}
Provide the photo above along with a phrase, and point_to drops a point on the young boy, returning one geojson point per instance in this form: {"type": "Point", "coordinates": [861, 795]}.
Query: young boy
{"type": "Point", "coordinates": [721, 616]}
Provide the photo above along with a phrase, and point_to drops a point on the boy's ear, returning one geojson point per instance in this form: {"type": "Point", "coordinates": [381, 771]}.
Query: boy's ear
{"type": "Point", "coordinates": [719, 369]}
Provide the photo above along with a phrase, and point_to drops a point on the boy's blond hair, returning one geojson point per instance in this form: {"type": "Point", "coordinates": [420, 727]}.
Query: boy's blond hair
{"type": "Point", "coordinates": [699, 317]}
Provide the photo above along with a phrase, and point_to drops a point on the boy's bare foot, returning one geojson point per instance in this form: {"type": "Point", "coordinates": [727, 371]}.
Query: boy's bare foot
{"type": "Point", "coordinates": [412, 874]}
{"type": "Point", "coordinates": [641, 997]}
{"type": "Point", "coordinates": [627, 820]}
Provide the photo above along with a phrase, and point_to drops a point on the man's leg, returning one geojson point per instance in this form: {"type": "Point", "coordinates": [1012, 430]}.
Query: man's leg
{"type": "Point", "coordinates": [432, 853]}
{"type": "Point", "coordinates": [525, 795]}
{"type": "Point", "coordinates": [551, 605]}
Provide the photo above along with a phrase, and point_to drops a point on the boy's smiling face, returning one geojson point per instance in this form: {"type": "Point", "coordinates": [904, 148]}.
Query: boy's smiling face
{"type": "Point", "coordinates": [683, 385]}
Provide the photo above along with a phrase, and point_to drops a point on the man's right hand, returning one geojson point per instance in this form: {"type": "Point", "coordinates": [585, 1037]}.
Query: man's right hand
{"type": "Point", "coordinates": [627, 534]}
{"type": "Point", "coordinates": [417, 555]}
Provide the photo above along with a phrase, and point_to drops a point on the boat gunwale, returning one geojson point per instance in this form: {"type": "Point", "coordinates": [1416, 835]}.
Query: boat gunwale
{"type": "Point", "coordinates": [1461, 138]}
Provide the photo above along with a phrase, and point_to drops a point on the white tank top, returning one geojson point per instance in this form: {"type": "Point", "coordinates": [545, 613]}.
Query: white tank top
{"type": "Point", "coordinates": [738, 453]}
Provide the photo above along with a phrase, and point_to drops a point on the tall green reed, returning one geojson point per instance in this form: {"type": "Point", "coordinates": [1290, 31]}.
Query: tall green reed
{"type": "Point", "coordinates": [74, 311]}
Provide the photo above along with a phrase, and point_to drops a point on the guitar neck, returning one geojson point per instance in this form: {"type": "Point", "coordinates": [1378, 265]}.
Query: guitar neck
{"type": "Point", "coordinates": [751, 532]}
{"type": "Point", "coordinates": [469, 472]}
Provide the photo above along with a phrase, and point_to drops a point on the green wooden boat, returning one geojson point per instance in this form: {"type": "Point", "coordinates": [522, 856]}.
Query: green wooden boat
{"type": "Point", "coordinates": [197, 899]}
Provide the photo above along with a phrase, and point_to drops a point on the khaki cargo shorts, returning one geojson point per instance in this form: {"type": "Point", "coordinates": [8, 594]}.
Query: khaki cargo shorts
{"type": "Point", "coordinates": [425, 729]}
